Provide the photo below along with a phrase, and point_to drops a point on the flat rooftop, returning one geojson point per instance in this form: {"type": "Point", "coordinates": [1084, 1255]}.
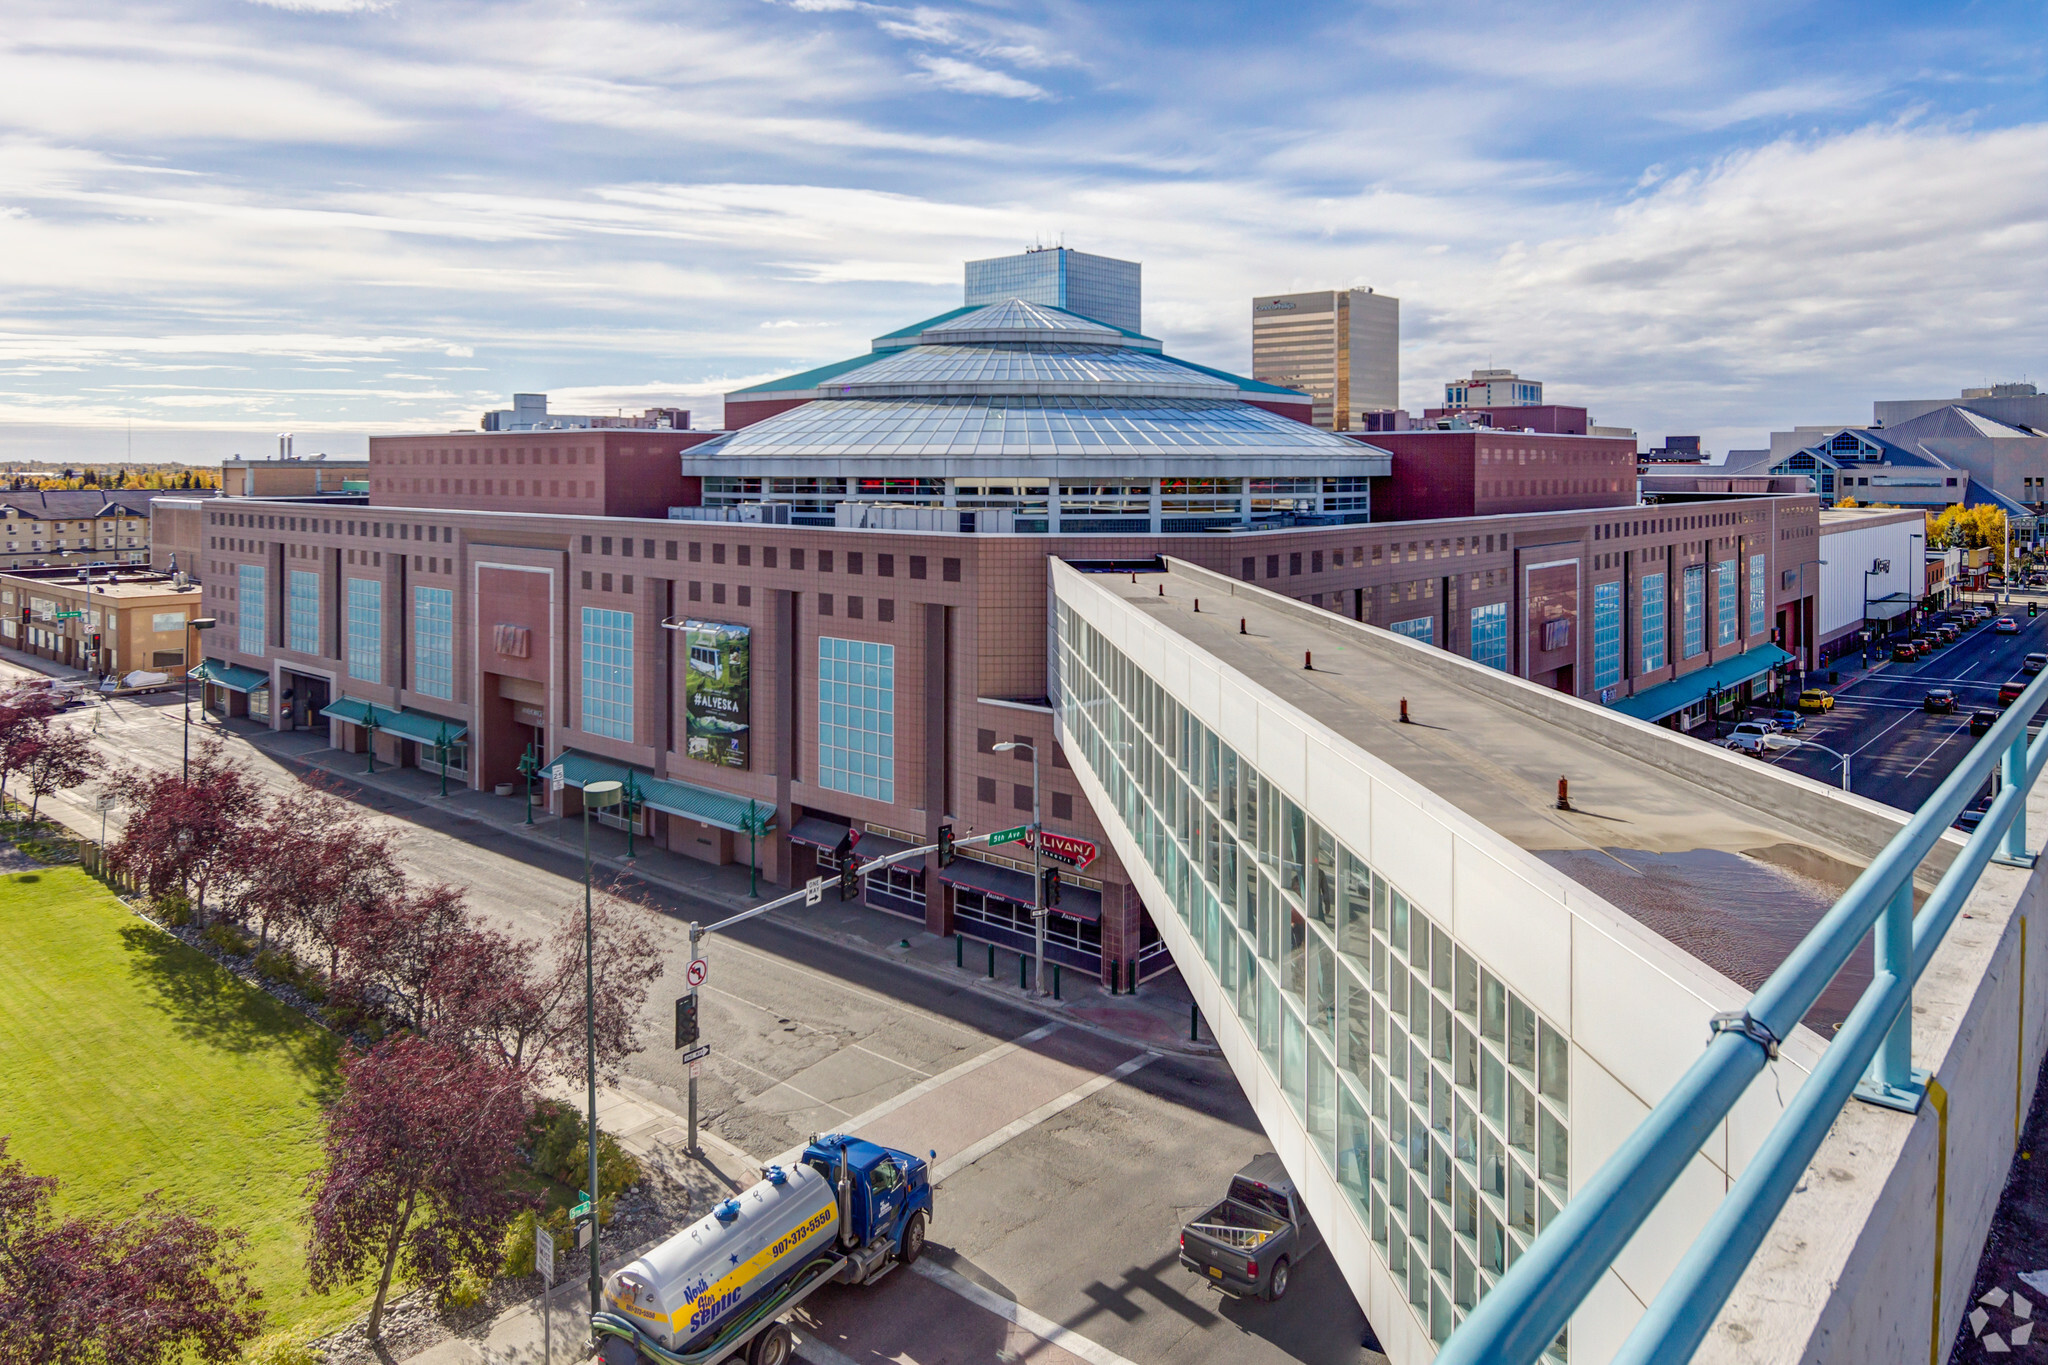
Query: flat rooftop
{"type": "Point", "coordinates": [1729, 881]}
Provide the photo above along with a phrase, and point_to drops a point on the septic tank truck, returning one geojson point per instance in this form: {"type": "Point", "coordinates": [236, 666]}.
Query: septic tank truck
{"type": "Point", "coordinates": [848, 1210]}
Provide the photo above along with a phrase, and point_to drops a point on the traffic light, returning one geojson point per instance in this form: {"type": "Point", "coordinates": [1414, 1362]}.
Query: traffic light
{"type": "Point", "coordinates": [2033, 608]}
{"type": "Point", "coordinates": [945, 845]}
{"type": "Point", "coordinates": [849, 877]}
{"type": "Point", "coordinates": [686, 1020]}
{"type": "Point", "coordinates": [95, 642]}
{"type": "Point", "coordinates": [1051, 879]}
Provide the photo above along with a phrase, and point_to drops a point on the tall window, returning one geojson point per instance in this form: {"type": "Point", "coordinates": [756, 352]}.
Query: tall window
{"type": "Point", "coordinates": [1757, 611]}
{"type": "Point", "coordinates": [1727, 624]}
{"type": "Point", "coordinates": [1695, 606]}
{"type": "Point", "coordinates": [433, 641]}
{"type": "Point", "coordinates": [1422, 628]}
{"type": "Point", "coordinates": [608, 673]}
{"type": "Point", "coordinates": [1653, 621]}
{"type": "Point", "coordinates": [366, 629]}
{"type": "Point", "coordinates": [302, 611]}
{"type": "Point", "coordinates": [1606, 634]}
{"type": "Point", "coordinates": [249, 608]}
{"type": "Point", "coordinates": [857, 718]}
{"type": "Point", "coordinates": [1490, 636]}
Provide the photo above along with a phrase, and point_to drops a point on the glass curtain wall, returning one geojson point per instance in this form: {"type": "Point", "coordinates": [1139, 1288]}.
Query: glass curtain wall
{"type": "Point", "coordinates": [1437, 1098]}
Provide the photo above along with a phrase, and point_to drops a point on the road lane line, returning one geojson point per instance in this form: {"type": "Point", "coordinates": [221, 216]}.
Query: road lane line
{"type": "Point", "coordinates": [962, 1159]}
{"type": "Point", "coordinates": [890, 1060]}
{"type": "Point", "coordinates": [1881, 734]}
{"type": "Point", "coordinates": [1935, 750]}
{"type": "Point", "coordinates": [1040, 1326]}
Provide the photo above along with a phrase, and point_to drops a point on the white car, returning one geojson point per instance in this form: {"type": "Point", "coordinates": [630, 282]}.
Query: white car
{"type": "Point", "coordinates": [2005, 625]}
{"type": "Point", "coordinates": [1751, 737]}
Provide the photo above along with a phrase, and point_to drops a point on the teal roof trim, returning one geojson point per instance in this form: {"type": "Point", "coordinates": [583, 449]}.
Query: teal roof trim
{"type": "Point", "coordinates": [1248, 385]}
{"type": "Point", "coordinates": [811, 379]}
{"type": "Point", "coordinates": [417, 726]}
{"type": "Point", "coordinates": [233, 677]}
{"type": "Point", "coordinates": [1665, 698]}
{"type": "Point", "coordinates": [719, 809]}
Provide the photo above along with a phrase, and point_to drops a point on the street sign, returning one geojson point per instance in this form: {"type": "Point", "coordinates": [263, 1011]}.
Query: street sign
{"type": "Point", "coordinates": [1008, 836]}
{"type": "Point", "coordinates": [697, 1054]}
{"type": "Point", "coordinates": [544, 1254]}
{"type": "Point", "coordinates": [67, 616]}
{"type": "Point", "coordinates": [699, 969]}
{"type": "Point", "coordinates": [814, 890]}
{"type": "Point", "coordinates": [1067, 849]}
{"type": "Point", "coordinates": [581, 1210]}
{"type": "Point", "coordinates": [696, 1069]}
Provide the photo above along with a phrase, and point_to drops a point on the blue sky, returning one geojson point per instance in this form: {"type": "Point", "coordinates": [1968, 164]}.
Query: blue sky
{"type": "Point", "coordinates": [223, 220]}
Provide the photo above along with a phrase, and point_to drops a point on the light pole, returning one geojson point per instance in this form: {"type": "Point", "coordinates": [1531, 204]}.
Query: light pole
{"type": "Point", "coordinates": [1787, 742]}
{"type": "Point", "coordinates": [1877, 566]}
{"type": "Point", "coordinates": [594, 794]}
{"type": "Point", "coordinates": [1919, 562]}
{"type": "Point", "coordinates": [196, 623]}
{"type": "Point", "coordinates": [756, 825]}
{"type": "Point", "coordinates": [1037, 873]}
{"type": "Point", "coordinates": [529, 764]}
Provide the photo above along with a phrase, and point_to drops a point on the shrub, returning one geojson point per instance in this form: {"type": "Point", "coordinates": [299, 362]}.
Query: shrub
{"type": "Point", "coordinates": [519, 1240]}
{"type": "Point", "coordinates": [273, 965]}
{"type": "Point", "coordinates": [466, 1288]}
{"type": "Point", "coordinates": [174, 909]}
{"type": "Point", "coordinates": [227, 938]}
{"type": "Point", "coordinates": [280, 1348]}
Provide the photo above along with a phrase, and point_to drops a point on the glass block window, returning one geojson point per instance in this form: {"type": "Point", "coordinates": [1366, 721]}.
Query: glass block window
{"type": "Point", "coordinates": [1422, 628]}
{"type": "Point", "coordinates": [249, 604]}
{"type": "Point", "coordinates": [1758, 612]}
{"type": "Point", "coordinates": [433, 641]}
{"type": "Point", "coordinates": [1606, 634]}
{"type": "Point", "coordinates": [857, 718]}
{"type": "Point", "coordinates": [1437, 1098]}
{"type": "Point", "coordinates": [608, 673]}
{"type": "Point", "coordinates": [1695, 607]}
{"type": "Point", "coordinates": [1653, 621]}
{"type": "Point", "coordinates": [1490, 636]}
{"type": "Point", "coordinates": [365, 598]}
{"type": "Point", "coordinates": [302, 611]}
{"type": "Point", "coordinates": [1727, 624]}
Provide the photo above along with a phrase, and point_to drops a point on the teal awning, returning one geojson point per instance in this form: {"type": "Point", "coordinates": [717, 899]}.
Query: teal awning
{"type": "Point", "coordinates": [233, 677]}
{"type": "Point", "coordinates": [413, 725]}
{"type": "Point", "coordinates": [1665, 698]}
{"type": "Point", "coordinates": [720, 809]}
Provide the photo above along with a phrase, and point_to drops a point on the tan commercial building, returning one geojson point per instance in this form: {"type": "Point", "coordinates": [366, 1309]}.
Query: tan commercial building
{"type": "Point", "coordinates": [291, 477]}
{"type": "Point", "coordinates": [1342, 347]}
{"type": "Point", "coordinates": [121, 621]}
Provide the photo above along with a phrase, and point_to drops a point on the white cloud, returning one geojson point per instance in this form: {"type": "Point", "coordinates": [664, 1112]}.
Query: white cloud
{"type": "Point", "coordinates": [950, 73]}
{"type": "Point", "coordinates": [326, 6]}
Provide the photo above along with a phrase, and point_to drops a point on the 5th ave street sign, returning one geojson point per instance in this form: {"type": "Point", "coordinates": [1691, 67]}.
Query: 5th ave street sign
{"type": "Point", "coordinates": [1008, 836]}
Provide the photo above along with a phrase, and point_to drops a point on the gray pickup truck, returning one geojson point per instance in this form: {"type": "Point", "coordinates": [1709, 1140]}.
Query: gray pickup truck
{"type": "Point", "coordinates": [1247, 1244]}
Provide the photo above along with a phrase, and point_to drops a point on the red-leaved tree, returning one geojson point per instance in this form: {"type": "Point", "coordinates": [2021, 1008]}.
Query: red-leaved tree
{"type": "Point", "coordinates": [160, 1285]}
{"type": "Point", "coordinates": [422, 1149]}
{"type": "Point", "coordinates": [24, 718]}
{"type": "Point", "coordinates": [313, 864]}
{"type": "Point", "coordinates": [187, 834]}
{"type": "Point", "coordinates": [626, 962]}
{"type": "Point", "coordinates": [63, 758]}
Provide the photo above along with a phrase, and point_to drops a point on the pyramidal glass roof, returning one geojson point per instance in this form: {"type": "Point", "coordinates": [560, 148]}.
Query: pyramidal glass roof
{"type": "Point", "coordinates": [1016, 320]}
{"type": "Point", "coordinates": [1011, 425]}
{"type": "Point", "coordinates": [1011, 368]}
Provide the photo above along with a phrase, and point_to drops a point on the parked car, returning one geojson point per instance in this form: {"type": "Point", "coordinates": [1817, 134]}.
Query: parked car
{"type": "Point", "coordinates": [2034, 663]}
{"type": "Point", "coordinates": [1813, 699]}
{"type": "Point", "coordinates": [2005, 625]}
{"type": "Point", "coordinates": [1980, 721]}
{"type": "Point", "coordinates": [1904, 653]}
{"type": "Point", "coordinates": [1969, 820]}
{"type": "Point", "coordinates": [1788, 721]}
{"type": "Point", "coordinates": [1946, 634]}
{"type": "Point", "coordinates": [1940, 700]}
{"type": "Point", "coordinates": [1246, 1245]}
{"type": "Point", "coordinates": [1751, 737]}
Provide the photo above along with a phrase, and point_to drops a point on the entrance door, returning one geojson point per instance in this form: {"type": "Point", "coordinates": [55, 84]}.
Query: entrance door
{"type": "Point", "coordinates": [306, 696]}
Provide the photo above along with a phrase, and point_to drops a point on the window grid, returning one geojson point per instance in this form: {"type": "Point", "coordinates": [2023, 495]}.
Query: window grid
{"type": "Point", "coordinates": [1606, 634]}
{"type": "Point", "coordinates": [608, 673]}
{"type": "Point", "coordinates": [1727, 625]}
{"type": "Point", "coordinates": [1422, 628]}
{"type": "Point", "coordinates": [1695, 610]}
{"type": "Point", "coordinates": [1653, 621]}
{"type": "Point", "coordinates": [302, 611]}
{"type": "Point", "coordinates": [857, 718]}
{"type": "Point", "coordinates": [1490, 635]}
{"type": "Point", "coordinates": [1757, 609]}
{"type": "Point", "coordinates": [433, 641]}
{"type": "Point", "coordinates": [249, 604]}
{"type": "Point", "coordinates": [366, 629]}
{"type": "Point", "coordinates": [1437, 1098]}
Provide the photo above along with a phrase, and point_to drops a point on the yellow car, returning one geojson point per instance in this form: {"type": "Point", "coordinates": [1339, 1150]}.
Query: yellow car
{"type": "Point", "coordinates": [1813, 699]}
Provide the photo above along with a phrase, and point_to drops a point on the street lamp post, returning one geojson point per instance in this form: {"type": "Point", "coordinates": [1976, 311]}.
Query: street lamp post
{"type": "Point", "coordinates": [594, 794]}
{"type": "Point", "coordinates": [756, 824]}
{"type": "Point", "coordinates": [196, 623]}
{"type": "Point", "coordinates": [1037, 872]}
{"type": "Point", "coordinates": [1787, 742]}
{"type": "Point", "coordinates": [529, 764]}
{"type": "Point", "coordinates": [441, 755]}
{"type": "Point", "coordinates": [631, 802]}
{"type": "Point", "coordinates": [1877, 566]}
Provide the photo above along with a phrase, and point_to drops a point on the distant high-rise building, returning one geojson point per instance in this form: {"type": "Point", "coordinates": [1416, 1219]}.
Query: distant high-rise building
{"type": "Point", "coordinates": [1342, 347]}
{"type": "Point", "coordinates": [1098, 287]}
{"type": "Point", "coordinates": [1493, 389]}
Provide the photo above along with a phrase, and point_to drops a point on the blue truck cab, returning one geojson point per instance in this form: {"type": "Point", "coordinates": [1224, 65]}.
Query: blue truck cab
{"type": "Point", "coordinates": [887, 1199]}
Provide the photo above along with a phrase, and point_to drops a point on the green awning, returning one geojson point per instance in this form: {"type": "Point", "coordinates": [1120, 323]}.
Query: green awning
{"type": "Point", "coordinates": [414, 725]}
{"type": "Point", "coordinates": [233, 677]}
{"type": "Point", "coordinates": [720, 809]}
{"type": "Point", "coordinates": [1665, 698]}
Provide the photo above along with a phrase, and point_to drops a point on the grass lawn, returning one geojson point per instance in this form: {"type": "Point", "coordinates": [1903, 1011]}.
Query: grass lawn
{"type": "Point", "coordinates": [130, 1063]}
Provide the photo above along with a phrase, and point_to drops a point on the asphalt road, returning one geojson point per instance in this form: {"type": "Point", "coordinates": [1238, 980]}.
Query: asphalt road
{"type": "Point", "coordinates": [1071, 1217]}
{"type": "Point", "coordinates": [1900, 752]}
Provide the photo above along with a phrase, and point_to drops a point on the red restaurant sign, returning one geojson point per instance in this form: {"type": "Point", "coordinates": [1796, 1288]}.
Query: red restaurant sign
{"type": "Point", "coordinates": [1071, 851]}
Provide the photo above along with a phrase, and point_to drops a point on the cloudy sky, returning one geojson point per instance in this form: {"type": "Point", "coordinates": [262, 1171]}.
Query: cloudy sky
{"type": "Point", "coordinates": [222, 219]}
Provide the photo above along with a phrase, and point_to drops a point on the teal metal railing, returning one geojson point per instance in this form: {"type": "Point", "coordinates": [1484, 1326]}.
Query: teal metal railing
{"type": "Point", "coordinates": [1870, 1059]}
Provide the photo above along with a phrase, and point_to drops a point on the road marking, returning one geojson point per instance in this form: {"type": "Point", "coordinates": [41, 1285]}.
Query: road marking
{"type": "Point", "coordinates": [890, 1060]}
{"type": "Point", "coordinates": [779, 1083]}
{"type": "Point", "coordinates": [1880, 734]}
{"type": "Point", "coordinates": [963, 1159]}
{"type": "Point", "coordinates": [1932, 752]}
{"type": "Point", "coordinates": [1040, 1326]}
{"type": "Point", "coordinates": [925, 1087]}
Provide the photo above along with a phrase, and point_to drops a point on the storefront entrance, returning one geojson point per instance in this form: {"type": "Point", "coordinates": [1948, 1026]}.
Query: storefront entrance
{"type": "Point", "coordinates": [304, 697]}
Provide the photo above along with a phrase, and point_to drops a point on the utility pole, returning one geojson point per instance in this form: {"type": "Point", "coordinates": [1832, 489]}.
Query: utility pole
{"type": "Point", "coordinates": [594, 794]}
{"type": "Point", "coordinates": [1037, 869]}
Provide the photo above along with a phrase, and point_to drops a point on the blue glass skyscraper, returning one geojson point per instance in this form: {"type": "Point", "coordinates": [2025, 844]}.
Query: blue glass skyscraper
{"type": "Point", "coordinates": [1098, 287]}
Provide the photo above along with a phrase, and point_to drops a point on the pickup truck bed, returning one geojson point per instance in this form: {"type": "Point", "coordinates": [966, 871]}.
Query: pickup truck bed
{"type": "Point", "coordinates": [1245, 1244]}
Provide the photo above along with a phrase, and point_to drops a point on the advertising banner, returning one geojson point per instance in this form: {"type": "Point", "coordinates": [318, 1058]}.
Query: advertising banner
{"type": "Point", "coordinates": [718, 692]}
